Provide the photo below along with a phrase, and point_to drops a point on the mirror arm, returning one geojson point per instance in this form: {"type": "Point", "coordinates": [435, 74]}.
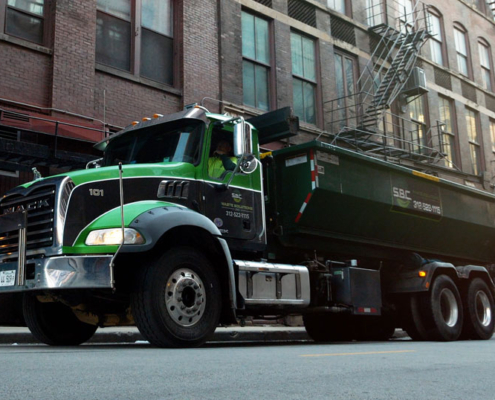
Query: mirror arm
{"type": "Point", "coordinates": [236, 169]}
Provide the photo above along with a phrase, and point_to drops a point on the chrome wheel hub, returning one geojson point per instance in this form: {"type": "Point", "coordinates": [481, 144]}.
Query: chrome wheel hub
{"type": "Point", "coordinates": [483, 309]}
{"type": "Point", "coordinates": [185, 297]}
{"type": "Point", "coordinates": [449, 307]}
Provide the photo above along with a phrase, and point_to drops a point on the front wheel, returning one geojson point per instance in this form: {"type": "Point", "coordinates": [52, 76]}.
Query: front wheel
{"type": "Point", "coordinates": [478, 309]}
{"type": "Point", "coordinates": [54, 323]}
{"type": "Point", "coordinates": [177, 302]}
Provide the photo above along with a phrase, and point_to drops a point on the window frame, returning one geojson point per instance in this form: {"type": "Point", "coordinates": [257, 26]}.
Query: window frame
{"type": "Point", "coordinates": [492, 134]}
{"type": "Point", "coordinates": [420, 145]}
{"type": "Point", "coordinates": [404, 23]}
{"type": "Point", "coordinates": [136, 30]}
{"type": "Point", "coordinates": [460, 28]}
{"type": "Point", "coordinates": [478, 144]}
{"type": "Point", "coordinates": [347, 7]}
{"type": "Point", "coordinates": [316, 83]}
{"type": "Point", "coordinates": [271, 87]}
{"type": "Point", "coordinates": [443, 48]}
{"type": "Point", "coordinates": [46, 18]}
{"type": "Point", "coordinates": [485, 44]}
{"type": "Point", "coordinates": [454, 135]}
{"type": "Point", "coordinates": [346, 106]}
{"type": "Point", "coordinates": [374, 16]}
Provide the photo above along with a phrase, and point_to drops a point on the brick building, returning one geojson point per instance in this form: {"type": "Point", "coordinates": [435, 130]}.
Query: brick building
{"type": "Point", "coordinates": [73, 71]}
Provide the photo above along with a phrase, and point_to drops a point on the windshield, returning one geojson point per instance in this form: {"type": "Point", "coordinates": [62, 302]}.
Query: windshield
{"type": "Point", "coordinates": [177, 141]}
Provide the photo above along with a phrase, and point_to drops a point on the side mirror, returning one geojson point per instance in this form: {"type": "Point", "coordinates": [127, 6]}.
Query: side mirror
{"type": "Point", "coordinates": [248, 164]}
{"type": "Point", "coordinates": [243, 141]}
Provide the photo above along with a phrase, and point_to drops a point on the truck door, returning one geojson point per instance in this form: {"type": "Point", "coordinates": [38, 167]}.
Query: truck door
{"type": "Point", "coordinates": [237, 209]}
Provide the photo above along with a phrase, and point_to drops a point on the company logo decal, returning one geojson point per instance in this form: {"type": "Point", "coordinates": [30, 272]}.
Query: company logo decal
{"type": "Point", "coordinates": [35, 205]}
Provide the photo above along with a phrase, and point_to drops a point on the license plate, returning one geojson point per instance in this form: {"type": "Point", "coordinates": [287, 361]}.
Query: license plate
{"type": "Point", "coordinates": [7, 278]}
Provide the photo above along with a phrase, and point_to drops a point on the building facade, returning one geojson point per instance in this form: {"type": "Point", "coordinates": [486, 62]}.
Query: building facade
{"type": "Point", "coordinates": [74, 71]}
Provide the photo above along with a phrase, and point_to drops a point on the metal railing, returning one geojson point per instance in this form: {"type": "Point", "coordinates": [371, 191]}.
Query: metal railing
{"type": "Point", "coordinates": [394, 136]}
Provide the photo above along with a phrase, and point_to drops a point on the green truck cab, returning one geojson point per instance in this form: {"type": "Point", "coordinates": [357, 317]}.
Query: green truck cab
{"type": "Point", "coordinates": [155, 236]}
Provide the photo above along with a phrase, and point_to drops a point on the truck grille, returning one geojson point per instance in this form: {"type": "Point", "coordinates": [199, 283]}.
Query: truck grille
{"type": "Point", "coordinates": [40, 206]}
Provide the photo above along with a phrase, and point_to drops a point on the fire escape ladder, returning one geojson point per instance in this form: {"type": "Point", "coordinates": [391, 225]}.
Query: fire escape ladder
{"type": "Point", "coordinates": [392, 62]}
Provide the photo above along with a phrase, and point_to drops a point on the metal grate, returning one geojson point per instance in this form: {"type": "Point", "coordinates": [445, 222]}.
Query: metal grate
{"type": "Point", "coordinates": [303, 12]}
{"type": "Point", "coordinates": [14, 116]}
{"type": "Point", "coordinates": [419, 63]}
{"type": "Point", "coordinates": [342, 30]}
{"type": "Point", "coordinates": [267, 3]}
{"type": "Point", "coordinates": [443, 78]}
{"type": "Point", "coordinates": [40, 206]}
{"type": "Point", "coordinates": [490, 102]}
{"type": "Point", "coordinates": [468, 91]}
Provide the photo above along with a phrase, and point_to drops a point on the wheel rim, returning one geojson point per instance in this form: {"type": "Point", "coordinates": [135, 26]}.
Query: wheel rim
{"type": "Point", "coordinates": [449, 307]}
{"type": "Point", "coordinates": [185, 297]}
{"type": "Point", "coordinates": [483, 309]}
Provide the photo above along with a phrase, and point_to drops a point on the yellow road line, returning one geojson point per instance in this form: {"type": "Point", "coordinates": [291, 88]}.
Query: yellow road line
{"type": "Point", "coordinates": [366, 353]}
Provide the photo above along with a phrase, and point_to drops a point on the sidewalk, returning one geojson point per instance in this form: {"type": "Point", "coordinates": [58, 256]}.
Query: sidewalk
{"type": "Point", "coordinates": [269, 333]}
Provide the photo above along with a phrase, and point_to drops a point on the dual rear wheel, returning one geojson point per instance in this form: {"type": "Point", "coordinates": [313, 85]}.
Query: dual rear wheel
{"type": "Point", "coordinates": [443, 314]}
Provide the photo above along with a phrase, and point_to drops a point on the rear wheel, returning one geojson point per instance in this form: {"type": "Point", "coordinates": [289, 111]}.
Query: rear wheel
{"type": "Point", "coordinates": [54, 323]}
{"type": "Point", "coordinates": [329, 327]}
{"type": "Point", "coordinates": [441, 310]}
{"type": "Point", "coordinates": [177, 302]}
{"type": "Point", "coordinates": [478, 310]}
{"type": "Point", "coordinates": [414, 325]}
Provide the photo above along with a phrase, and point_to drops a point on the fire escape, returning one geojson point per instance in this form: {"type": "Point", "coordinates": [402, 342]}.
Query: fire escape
{"type": "Point", "coordinates": [363, 120]}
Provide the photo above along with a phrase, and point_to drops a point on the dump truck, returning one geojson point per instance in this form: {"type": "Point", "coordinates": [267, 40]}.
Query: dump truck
{"type": "Point", "coordinates": [148, 236]}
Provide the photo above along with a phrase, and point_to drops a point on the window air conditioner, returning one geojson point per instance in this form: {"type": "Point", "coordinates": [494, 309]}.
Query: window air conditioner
{"type": "Point", "coordinates": [416, 84]}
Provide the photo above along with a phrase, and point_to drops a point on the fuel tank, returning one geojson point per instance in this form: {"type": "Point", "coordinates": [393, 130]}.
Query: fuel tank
{"type": "Point", "coordinates": [330, 199]}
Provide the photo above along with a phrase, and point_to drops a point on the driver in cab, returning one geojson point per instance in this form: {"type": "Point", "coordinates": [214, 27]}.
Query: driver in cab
{"type": "Point", "coordinates": [221, 160]}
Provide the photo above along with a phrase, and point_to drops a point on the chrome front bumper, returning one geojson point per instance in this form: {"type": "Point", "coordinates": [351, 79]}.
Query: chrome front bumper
{"type": "Point", "coordinates": [65, 272]}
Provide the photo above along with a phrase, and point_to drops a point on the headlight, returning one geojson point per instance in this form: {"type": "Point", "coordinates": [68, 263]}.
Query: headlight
{"type": "Point", "coordinates": [106, 237]}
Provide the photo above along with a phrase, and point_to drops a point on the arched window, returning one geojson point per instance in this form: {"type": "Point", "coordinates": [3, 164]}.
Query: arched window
{"type": "Point", "coordinates": [486, 62]}
{"type": "Point", "coordinates": [438, 52]}
{"type": "Point", "coordinates": [462, 50]}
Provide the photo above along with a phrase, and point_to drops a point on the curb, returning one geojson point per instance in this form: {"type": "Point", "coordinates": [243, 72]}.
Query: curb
{"type": "Point", "coordinates": [133, 337]}
{"type": "Point", "coordinates": [221, 335]}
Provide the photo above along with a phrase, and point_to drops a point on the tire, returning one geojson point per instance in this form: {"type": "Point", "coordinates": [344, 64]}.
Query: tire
{"type": "Point", "coordinates": [441, 310]}
{"type": "Point", "coordinates": [414, 325]}
{"type": "Point", "coordinates": [369, 328]}
{"type": "Point", "coordinates": [177, 302]}
{"type": "Point", "coordinates": [54, 323]}
{"type": "Point", "coordinates": [479, 320]}
{"type": "Point", "coordinates": [329, 327]}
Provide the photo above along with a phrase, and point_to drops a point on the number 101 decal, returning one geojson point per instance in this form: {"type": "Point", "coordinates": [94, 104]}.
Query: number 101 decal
{"type": "Point", "coordinates": [96, 192]}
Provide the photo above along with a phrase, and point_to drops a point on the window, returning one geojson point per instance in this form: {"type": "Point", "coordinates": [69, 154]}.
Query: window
{"type": "Point", "coordinates": [406, 14]}
{"type": "Point", "coordinates": [256, 61]}
{"type": "Point", "coordinates": [436, 41]}
{"type": "Point", "coordinates": [375, 14]}
{"type": "Point", "coordinates": [337, 5]}
{"type": "Point", "coordinates": [24, 19]}
{"type": "Point", "coordinates": [485, 62]}
{"type": "Point", "coordinates": [304, 77]}
{"type": "Point", "coordinates": [345, 81]}
{"type": "Point", "coordinates": [474, 142]}
{"type": "Point", "coordinates": [418, 127]}
{"type": "Point", "coordinates": [462, 51]}
{"type": "Point", "coordinates": [136, 36]}
{"type": "Point", "coordinates": [447, 137]}
{"type": "Point", "coordinates": [492, 134]}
